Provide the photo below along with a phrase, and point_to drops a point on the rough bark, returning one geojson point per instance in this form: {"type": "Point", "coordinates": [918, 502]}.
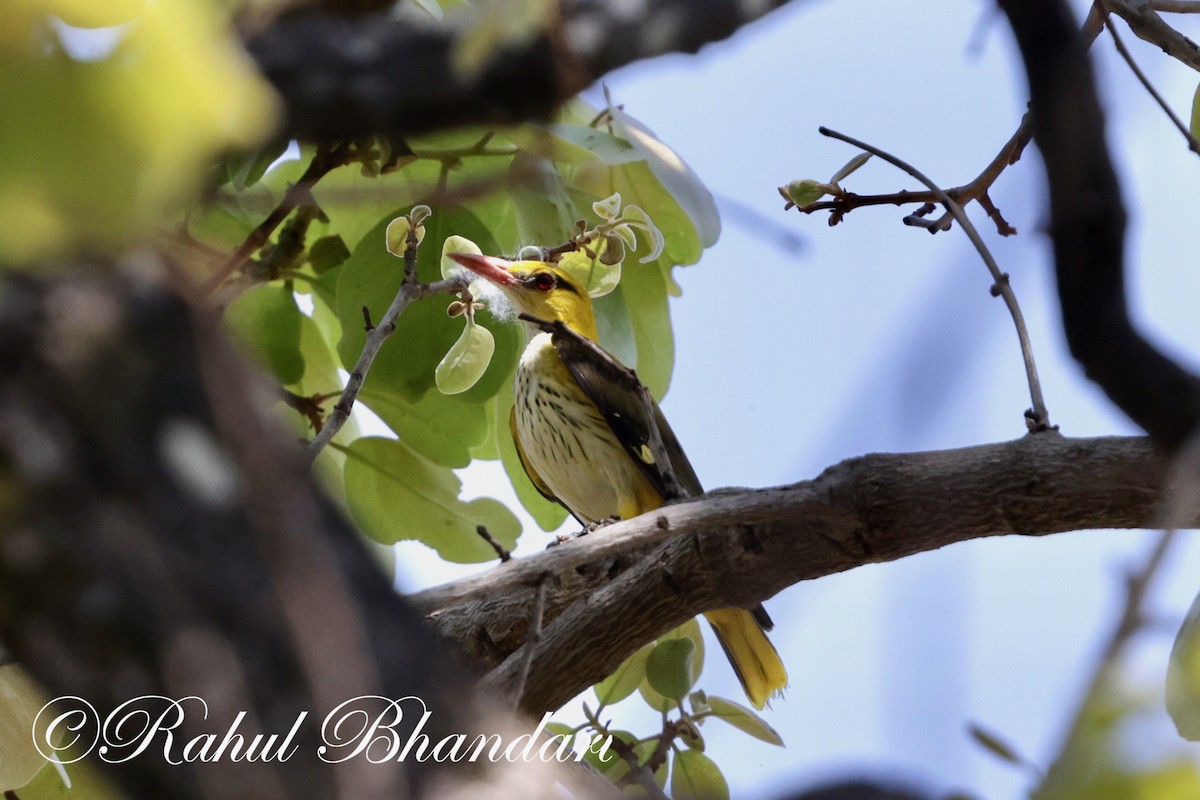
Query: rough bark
{"type": "Point", "coordinates": [347, 75]}
{"type": "Point", "coordinates": [615, 589]}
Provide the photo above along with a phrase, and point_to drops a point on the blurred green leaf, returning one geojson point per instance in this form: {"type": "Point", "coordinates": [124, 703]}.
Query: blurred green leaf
{"type": "Point", "coordinates": [96, 153]}
{"type": "Point", "coordinates": [1183, 676]}
{"type": "Point", "coordinates": [267, 319]}
{"type": "Point", "coordinates": [246, 170]}
{"type": "Point", "coordinates": [694, 776]}
{"type": "Point", "coordinates": [20, 701]}
{"type": "Point", "coordinates": [743, 719]}
{"type": "Point", "coordinates": [625, 680]}
{"type": "Point", "coordinates": [326, 253]}
{"type": "Point", "coordinates": [394, 495]}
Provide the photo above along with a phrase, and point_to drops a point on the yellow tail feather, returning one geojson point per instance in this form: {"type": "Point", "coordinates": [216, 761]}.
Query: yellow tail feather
{"type": "Point", "coordinates": [751, 653]}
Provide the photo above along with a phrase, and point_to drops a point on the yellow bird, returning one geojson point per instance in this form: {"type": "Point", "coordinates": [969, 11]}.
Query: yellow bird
{"type": "Point", "coordinates": [592, 438]}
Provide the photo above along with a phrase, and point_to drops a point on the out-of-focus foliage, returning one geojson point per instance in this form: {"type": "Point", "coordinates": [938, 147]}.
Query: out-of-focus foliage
{"type": "Point", "coordinates": [1183, 676]}
{"type": "Point", "coordinates": [111, 113]}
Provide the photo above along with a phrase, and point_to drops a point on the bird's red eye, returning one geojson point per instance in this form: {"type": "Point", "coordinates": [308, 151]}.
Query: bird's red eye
{"type": "Point", "coordinates": [544, 281]}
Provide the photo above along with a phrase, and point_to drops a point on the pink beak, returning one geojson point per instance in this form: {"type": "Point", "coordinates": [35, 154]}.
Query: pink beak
{"type": "Point", "coordinates": [490, 267]}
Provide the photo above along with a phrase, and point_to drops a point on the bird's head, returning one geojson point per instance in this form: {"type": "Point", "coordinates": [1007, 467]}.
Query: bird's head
{"type": "Point", "coordinates": [536, 288]}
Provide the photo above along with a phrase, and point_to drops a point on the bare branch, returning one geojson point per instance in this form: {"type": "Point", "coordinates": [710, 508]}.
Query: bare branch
{"type": "Point", "coordinates": [1145, 22]}
{"type": "Point", "coordinates": [615, 590]}
{"type": "Point", "coordinates": [1038, 418]}
{"type": "Point", "coordinates": [1088, 227]}
{"type": "Point", "coordinates": [1193, 145]}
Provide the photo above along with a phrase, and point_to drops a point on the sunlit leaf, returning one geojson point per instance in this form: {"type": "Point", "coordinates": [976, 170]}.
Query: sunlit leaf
{"type": "Point", "coordinates": [804, 192]}
{"type": "Point", "coordinates": [395, 495]}
{"type": "Point", "coordinates": [456, 244]}
{"type": "Point", "coordinates": [849, 167]}
{"type": "Point", "coordinates": [465, 362]}
{"type": "Point", "coordinates": [267, 319]}
{"type": "Point", "coordinates": [696, 777]}
{"type": "Point", "coordinates": [743, 719]}
{"type": "Point", "coordinates": [625, 680]}
{"type": "Point", "coordinates": [591, 274]}
{"type": "Point", "coordinates": [678, 180]}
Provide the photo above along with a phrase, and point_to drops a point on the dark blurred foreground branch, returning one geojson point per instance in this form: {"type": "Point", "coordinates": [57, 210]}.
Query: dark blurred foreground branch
{"type": "Point", "coordinates": [1087, 222]}
{"type": "Point", "coordinates": [349, 75]}
{"type": "Point", "coordinates": [159, 535]}
{"type": "Point", "coordinates": [615, 590]}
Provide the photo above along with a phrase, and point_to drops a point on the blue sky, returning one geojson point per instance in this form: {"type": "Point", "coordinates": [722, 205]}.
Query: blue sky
{"type": "Point", "coordinates": [880, 337]}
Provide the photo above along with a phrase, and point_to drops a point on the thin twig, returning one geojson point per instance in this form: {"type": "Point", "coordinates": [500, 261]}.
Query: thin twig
{"type": "Point", "coordinates": [325, 160]}
{"type": "Point", "coordinates": [1038, 418]}
{"type": "Point", "coordinates": [532, 640]}
{"type": "Point", "coordinates": [1131, 620]}
{"type": "Point", "coordinates": [976, 189]}
{"type": "Point", "coordinates": [1146, 24]}
{"type": "Point", "coordinates": [1193, 145]}
{"type": "Point", "coordinates": [410, 290]}
{"type": "Point", "coordinates": [503, 552]}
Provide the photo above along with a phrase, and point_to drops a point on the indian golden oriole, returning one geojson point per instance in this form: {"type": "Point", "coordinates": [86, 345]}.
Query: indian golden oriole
{"type": "Point", "coordinates": [591, 438]}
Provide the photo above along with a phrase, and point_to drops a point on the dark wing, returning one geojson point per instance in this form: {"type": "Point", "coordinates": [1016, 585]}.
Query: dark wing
{"type": "Point", "coordinates": [631, 412]}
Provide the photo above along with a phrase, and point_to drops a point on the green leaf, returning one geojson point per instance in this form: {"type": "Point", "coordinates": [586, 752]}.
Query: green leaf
{"type": "Point", "coordinates": [669, 668]}
{"type": "Point", "coordinates": [694, 776]}
{"type": "Point", "coordinates": [326, 253]}
{"type": "Point", "coordinates": [424, 333]}
{"type": "Point", "coordinates": [248, 169]}
{"type": "Point", "coordinates": [267, 319]}
{"type": "Point", "coordinates": [613, 766]}
{"type": "Point", "coordinates": [466, 361]}
{"type": "Point", "coordinates": [1194, 127]}
{"type": "Point", "coordinates": [803, 192]}
{"type": "Point", "coordinates": [455, 244]}
{"type": "Point", "coordinates": [395, 494]}
{"type": "Point", "coordinates": [442, 428]}
{"type": "Point", "coordinates": [689, 631]}
{"type": "Point", "coordinates": [625, 680]}
{"type": "Point", "coordinates": [743, 719]}
{"type": "Point", "coordinates": [545, 210]}
{"type": "Point", "coordinates": [849, 167]}
{"type": "Point", "coordinates": [572, 144]}
{"type": "Point", "coordinates": [644, 291]}
{"type": "Point", "coordinates": [1183, 676]}
{"type": "Point", "coordinates": [19, 704]}
{"type": "Point", "coordinates": [677, 179]}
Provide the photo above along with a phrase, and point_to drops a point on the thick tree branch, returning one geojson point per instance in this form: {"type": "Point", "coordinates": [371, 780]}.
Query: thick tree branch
{"type": "Point", "coordinates": [344, 76]}
{"type": "Point", "coordinates": [1087, 222]}
{"type": "Point", "coordinates": [159, 535]}
{"type": "Point", "coordinates": [616, 589]}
